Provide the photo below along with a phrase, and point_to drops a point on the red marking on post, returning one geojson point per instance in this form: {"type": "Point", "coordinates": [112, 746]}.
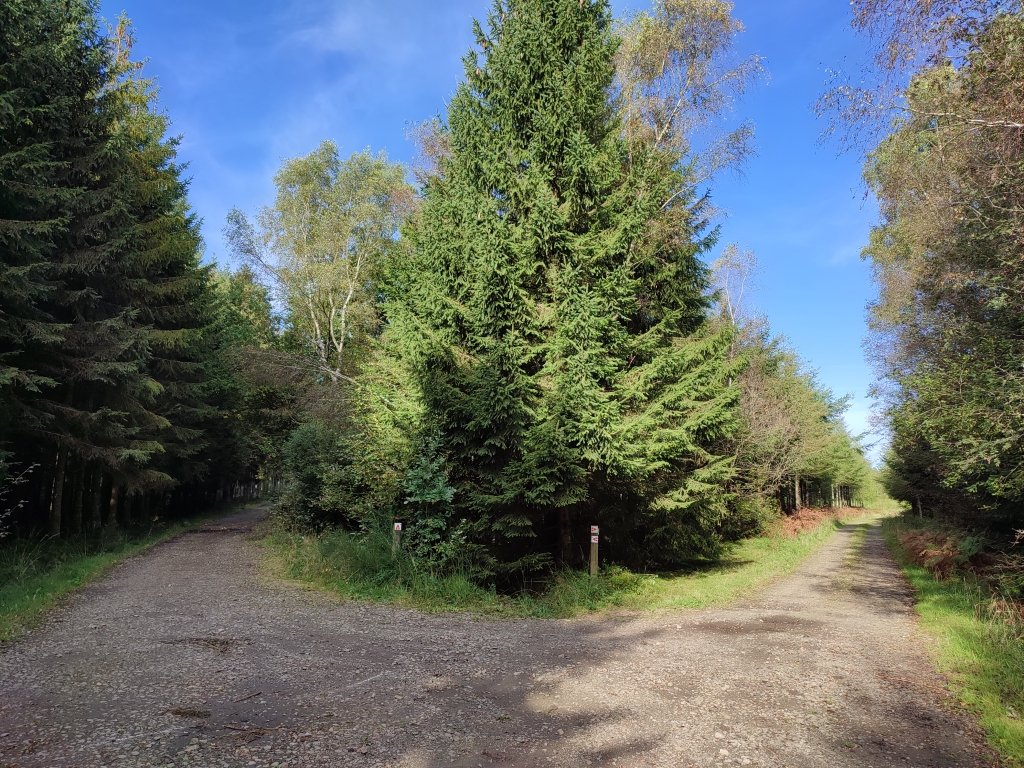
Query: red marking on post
{"type": "Point", "coordinates": [593, 530]}
{"type": "Point", "coordinates": [398, 526]}
{"type": "Point", "coordinates": [593, 539]}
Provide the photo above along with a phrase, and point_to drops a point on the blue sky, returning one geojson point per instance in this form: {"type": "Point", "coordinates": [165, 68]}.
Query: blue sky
{"type": "Point", "coordinates": [248, 83]}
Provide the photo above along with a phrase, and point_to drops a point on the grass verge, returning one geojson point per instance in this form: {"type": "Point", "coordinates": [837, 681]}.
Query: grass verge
{"type": "Point", "coordinates": [37, 574]}
{"type": "Point", "coordinates": [364, 569]}
{"type": "Point", "coordinates": [980, 645]}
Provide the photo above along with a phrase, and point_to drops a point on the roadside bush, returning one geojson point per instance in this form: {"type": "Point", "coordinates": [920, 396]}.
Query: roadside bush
{"type": "Point", "coordinates": [751, 516]}
{"type": "Point", "coordinates": [310, 450]}
{"type": "Point", "coordinates": [361, 565]}
{"type": "Point", "coordinates": [965, 588]}
{"type": "Point", "coordinates": [951, 553]}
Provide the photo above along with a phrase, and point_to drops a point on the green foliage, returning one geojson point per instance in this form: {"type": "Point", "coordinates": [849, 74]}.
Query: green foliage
{"type": "Point", "coordinates": [260, 401]}
{"type": "Point", "coordinates": [310, 450]}
{"type": "Point", "coordinates": [322, 246]}
{"type": "Point", "coordinates": [362, 566]}
{"type": "Point", "coordinates": [51, 57]}
{"type": "Point", "coordinates": [791, 426]}
{"type": "Point", "coordinates": [790, 429]}
{"type": "Point", "coordinates": [247, 316]}
{"type": "Point", "coordinates": [555, 335]}
{"type": "Point", "coordinates": [979, 641]}
{"type": "Point", "coordinates": [111, 374]}
{"type": "Point", "coordinates": [433, 536]}
{"type": "Point", "coordinates": [546, 360]}
{"type": "Point", "coordinates": [426, 483]}
{"type": "Point", "coordinates": [946, 327]}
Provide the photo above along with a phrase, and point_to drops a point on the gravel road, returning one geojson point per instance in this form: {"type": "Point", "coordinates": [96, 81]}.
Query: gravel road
{"type": "Point", "coordinates": [187, 656]}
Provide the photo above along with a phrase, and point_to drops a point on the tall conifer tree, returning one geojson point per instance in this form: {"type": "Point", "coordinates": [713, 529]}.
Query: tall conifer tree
{"type": "Point", "coordinates": [43, 85]}
{"type": "Point", "coordinates": [108, 361]}
{"type": "Point", "coordinates": [58, 208]}
{"type": "Point", "coordinates": [556, 331]}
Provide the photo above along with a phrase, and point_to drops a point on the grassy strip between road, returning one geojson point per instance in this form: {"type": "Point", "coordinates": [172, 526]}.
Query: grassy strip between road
{"type": "Point", "coordinates": [980, 646]}
{"type": "Point", "coordinates": [37, 574]}
{"type": "Point", "coordinates": [363, 568]}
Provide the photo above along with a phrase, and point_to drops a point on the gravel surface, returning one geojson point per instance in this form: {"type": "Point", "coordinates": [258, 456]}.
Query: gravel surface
{"type": "Point", "coordinates": [187, 656]}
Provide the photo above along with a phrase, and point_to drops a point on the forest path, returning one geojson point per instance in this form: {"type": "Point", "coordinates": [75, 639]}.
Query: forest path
{"type": "Point", "coordinates": [185, 656]}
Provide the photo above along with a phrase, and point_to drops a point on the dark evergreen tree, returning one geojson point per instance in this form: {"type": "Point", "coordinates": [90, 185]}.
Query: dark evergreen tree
{"type": "Point", "coordinates": [57, 171]}
{"type": "Point", "coordinates": [42, 102]}
{"type": "Point", "coordinates": [555, 328]}
{"type": "Point", "coordinates": [110, 373]}
{"type": "Point", "coordinates": [168, 291]}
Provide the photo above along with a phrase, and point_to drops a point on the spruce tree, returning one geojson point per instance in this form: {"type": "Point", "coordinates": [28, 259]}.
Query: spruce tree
{"type": "Point", "coordinates": [101, 416]}
{"type": "Point", "coordinates": [34, 113]}
{"type": "Point", "coordinates": [109, 360]}
{"type": "Point", "coordinates": [49, 65]}
{"type": "Point", "coordinates": [555, 330]}
{"type": "Point", "coordinates": [168, 292]}
{"type": "Point", "coordinates": [56, 170]}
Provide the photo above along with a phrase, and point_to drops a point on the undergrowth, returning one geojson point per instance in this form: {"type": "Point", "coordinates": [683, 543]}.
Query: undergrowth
{"type": "Point", "coordinates": [37, 573]}
{"type": "Point", "coordinates": [363, 567]}
{"type": "Point", "coordinates": [965, 598]}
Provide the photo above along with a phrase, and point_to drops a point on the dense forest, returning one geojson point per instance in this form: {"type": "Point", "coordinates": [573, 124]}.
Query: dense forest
{"type": "Point", "coordinates": [515, 338]}
{"type": "Point", "coordinates": [114, 397]}
{"type": "Point", "coordinates": [941, 122]}
{"type": "Point", "coordinates": [450, 385]}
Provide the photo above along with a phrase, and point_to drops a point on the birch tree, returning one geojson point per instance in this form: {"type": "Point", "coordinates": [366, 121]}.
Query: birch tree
{"type": "Point", "coordinates": [321, 246]}
{"type": "Point", "coordinates": [677, 77]}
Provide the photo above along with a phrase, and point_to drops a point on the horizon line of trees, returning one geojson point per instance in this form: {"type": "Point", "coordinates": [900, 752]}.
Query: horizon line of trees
{"type": "Point", "coordinates": [942, 127]}
{"type": "Point", "coordinates": [116, 400]}
{"type": "Point", "coordinates": [526, 341]}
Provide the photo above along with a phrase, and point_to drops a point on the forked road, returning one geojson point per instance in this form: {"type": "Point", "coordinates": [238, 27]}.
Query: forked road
{"type": "Point", "coordinates": [186, 656]}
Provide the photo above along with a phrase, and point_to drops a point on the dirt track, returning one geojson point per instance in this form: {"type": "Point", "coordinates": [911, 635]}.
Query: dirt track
{"type": "Point", "coordinates": [185, 657]}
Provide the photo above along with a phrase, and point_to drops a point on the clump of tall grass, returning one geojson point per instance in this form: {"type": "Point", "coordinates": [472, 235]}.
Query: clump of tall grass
{"type": "Point", "coordinates": [970, 602]}
{"type": "Point", "coordinates": [22, 558]}
{"type": "Point", "coordinates": [364, 566]}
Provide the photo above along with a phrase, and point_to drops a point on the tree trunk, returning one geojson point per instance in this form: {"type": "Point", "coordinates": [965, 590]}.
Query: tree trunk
{"type": "Point", "coordinates": [77, 499]}
{"type": "Point", "coordinates": [565, 530]}
{"type": "Point", "coordinates": [95, 499]}
{"type": "Point", "coordinates": [115, 504]}
{"type": "Point", "coordinates": [126, 508]}
{"type": "Point", "coordinates": [57, 497]}
{"type": "Point", "coordinates": [45, 492]}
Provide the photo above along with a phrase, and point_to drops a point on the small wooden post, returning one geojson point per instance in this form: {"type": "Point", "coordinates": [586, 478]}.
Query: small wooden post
{"type": "Point", "coordinates": [594, 538]}
{"type": "Point", "coordinates": [396, 538]}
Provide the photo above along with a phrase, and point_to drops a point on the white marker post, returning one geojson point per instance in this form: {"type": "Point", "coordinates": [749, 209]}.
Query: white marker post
{"type": "Point", "coordinates": [595, 536]}
{"type": "Point", "coordinates": [396, 538]}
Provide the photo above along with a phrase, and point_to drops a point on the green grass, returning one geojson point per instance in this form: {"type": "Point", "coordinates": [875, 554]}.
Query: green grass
{"type": "Point", "coordinates": [37, 574]}
{"type": "Point", "coordinates": [364, 569]}
{"type": "Point", "coordinates": [980, 646]}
